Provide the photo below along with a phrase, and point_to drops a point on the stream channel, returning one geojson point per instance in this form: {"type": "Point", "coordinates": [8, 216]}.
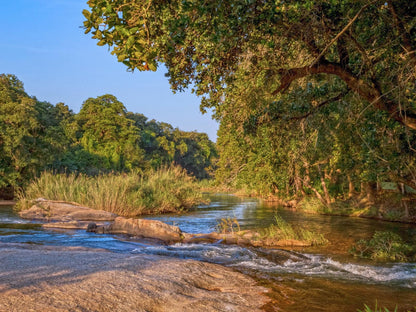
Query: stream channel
{"type": "Point", "coordinates": [300, 279]}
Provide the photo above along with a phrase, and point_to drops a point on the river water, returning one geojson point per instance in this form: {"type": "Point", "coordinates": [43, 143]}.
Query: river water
{"type": "Point", "coordinates": [303, 279]}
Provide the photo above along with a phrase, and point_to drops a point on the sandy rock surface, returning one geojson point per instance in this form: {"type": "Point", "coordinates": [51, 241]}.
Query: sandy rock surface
{"type": "Point", "coordinates": [76, 279]}
{"type": "Point", "coordinates": [50, 210]}
{"type": "Point", "coordinates": [142, 228]}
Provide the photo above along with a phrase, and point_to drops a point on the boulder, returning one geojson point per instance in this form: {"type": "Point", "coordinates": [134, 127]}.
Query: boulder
{"type": "Point", "coordinates": [51, 210]}
{"type": "Point", "coordinates": [142, 228]}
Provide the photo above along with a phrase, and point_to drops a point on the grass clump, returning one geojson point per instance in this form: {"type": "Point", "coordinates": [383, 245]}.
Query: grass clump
{"type": "Point", "coordinates": [228, 225]}
{"type": "Point", "coordinates": [376, 309]}
{"type": "Point", "coordinates": [282, 230]}
{"type": "Point", "coordinates": [384, 246]}
{"type": "Point", "coordinates": [168, 189]}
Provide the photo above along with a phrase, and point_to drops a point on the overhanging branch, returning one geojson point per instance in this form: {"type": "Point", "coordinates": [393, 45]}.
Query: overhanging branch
{"type": "Point", "coordinates": [371, 93]}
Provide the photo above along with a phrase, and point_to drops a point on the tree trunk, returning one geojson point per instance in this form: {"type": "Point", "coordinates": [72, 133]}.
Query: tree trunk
{"type": "Point", "coordinates": [406, 209]}
{"type": "Point", "coordinates": [324, 188]}
{"type": "Point", "coordinates": [298, 182]}
{"type": "Point", "coordinates": [369, 191]}
{"type": "Point", "coordinates": [351, 189]}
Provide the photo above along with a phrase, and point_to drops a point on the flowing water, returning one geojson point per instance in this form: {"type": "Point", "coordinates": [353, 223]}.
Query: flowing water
{"type": "Point", "coordinates": [303, 279]}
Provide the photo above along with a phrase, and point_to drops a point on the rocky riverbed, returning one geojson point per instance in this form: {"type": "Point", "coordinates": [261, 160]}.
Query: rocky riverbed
{"type": "Point", "coordinates": [39, 278]}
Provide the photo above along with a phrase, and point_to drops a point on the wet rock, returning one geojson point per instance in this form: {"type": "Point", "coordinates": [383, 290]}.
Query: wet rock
{"type": "Point", "coordinates": [92, 227]}
{"type": "Point", "coordinates": [76, 225]}
{"type": "Point", "coordinates": [51, 210]}
{"type": "Point", "coordinates": [74, 280]}
{"type": "Point", "coordinates": [143, 228]}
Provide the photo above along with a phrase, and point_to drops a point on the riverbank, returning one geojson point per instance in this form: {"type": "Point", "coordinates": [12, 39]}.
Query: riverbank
{"type": "Point", "coordinates": [37, 278]}
{"type": "Point", "coordinates": [392, 207]}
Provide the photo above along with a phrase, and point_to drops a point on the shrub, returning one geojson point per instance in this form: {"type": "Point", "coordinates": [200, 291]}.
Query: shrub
{"type": "Point", "coordinates": [385, 246]}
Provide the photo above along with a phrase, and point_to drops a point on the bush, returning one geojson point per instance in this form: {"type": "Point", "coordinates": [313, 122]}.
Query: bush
{"type": "Point", "coordinates": [384, 246]}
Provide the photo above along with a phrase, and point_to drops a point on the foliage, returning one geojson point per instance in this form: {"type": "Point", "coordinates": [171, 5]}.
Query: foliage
{"type": "Point", "coordinates": [314, 97]}
{"type": "Point", "coordinates": [227, 225]}
{"type": "Point", "coordinates": [31, 132]}
{"type": "Point", "coordinates": [103, 137]}
{"type": "Point", "coordinates": [204, 43]}
{"type": "Point", "coordinates": [105, 131]}
{"type": "Point", "coordinates": [384, 246]}
{"type": "Point", "coordinates": [282, 230]}
{"type": "Point", "coordinates": [132, 194]}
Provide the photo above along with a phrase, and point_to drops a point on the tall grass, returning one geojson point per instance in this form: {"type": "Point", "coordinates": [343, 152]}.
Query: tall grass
{"type": "Point", "coordinates": [168, 189]}
{"type": "Point", "coordinates": [282, 230]}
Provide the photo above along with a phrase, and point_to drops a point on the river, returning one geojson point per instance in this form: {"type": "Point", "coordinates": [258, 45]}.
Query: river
{"type": "Point", "coordinates": [303, 279]}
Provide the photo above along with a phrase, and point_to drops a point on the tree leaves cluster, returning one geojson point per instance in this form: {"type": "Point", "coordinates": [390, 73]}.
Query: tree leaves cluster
{"type": "Point", "coordinates": [312, 96]}
{"type": "Point", "coordinates": [102, 137]}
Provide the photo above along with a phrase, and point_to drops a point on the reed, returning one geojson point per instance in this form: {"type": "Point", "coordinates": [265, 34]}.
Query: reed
{"type": "Point", "coordinates": [168, 189]}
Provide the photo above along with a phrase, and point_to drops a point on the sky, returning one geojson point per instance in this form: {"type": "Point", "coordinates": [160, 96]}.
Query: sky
{"type": "Point", "coordinates": [42, 42]}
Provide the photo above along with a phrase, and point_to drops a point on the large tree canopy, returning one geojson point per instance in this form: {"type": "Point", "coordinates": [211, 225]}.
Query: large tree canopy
{"type": "Point", "coordinates": [364, 46]}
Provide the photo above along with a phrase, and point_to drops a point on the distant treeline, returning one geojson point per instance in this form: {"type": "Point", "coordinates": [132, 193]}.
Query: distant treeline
{"type": "Point", "coordinates": [103, 137]}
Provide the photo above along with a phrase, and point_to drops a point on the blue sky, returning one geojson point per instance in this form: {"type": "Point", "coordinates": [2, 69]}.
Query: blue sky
{"type": "Point", "coordinates": [43, 44]}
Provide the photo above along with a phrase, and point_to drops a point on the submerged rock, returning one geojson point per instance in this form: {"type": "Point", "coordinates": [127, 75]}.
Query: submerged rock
{"type": "Point", "coordinates": [243, 238]}
{"type": "Point", "coordinates": [59, 211]}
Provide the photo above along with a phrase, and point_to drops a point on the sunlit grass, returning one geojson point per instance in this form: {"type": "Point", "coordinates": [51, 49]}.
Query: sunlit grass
{"type": "Point", "coordinates": [376, 309]}
{"type": "Point", "coordinates": [168, 189]}
{"type": "Point", "coordinates": [282, 230]}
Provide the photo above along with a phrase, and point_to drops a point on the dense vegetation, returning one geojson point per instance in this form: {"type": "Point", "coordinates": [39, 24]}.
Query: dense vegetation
{"type": "Point", "coordinates": [314, 98]}
{"type": "Point", "coordinates": [128, 194]}
{"type": "Point", "coordinates": [102, 138]}
{"type": "Point", "coordinates": [384, 246]}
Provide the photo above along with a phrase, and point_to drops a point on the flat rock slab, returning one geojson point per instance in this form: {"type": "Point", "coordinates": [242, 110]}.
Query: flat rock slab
{"type": "Point", "coordinates": [50, 210]}
{"type": "Point", "coordinates": [45, 279]}
{"type": "Point", "coordinates": [144, 228]}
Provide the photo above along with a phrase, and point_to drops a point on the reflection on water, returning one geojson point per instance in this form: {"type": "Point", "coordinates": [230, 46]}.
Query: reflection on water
{"type": "Point", "coordinates": [306, 279]}
{"type": "Point", "coordinates": [251, 213]}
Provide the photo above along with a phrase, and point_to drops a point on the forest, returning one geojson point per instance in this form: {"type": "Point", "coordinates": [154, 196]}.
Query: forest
{"type": "Point", "coordinates": [102, 138]}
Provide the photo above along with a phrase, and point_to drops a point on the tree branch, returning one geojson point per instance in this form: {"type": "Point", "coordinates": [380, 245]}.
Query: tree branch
{"type": "Point", "coordinates": [371, 93]}
{"type": "Point", "coordinates": [317, 107]}
{"type": "Point", "coordinates": [407, 42]}
{"type": "Point", "coordinates": [342, 32]}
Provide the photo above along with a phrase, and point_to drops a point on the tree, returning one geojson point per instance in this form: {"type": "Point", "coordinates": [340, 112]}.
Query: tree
{"type": "Point", "coordinates": [18, 132]}
{"type": "Point", "coordinates": [368, 45]}
{"type": "Point", "coordinates": [106, 131]}
{"type": "Point", "coordinates": [194, 152]}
